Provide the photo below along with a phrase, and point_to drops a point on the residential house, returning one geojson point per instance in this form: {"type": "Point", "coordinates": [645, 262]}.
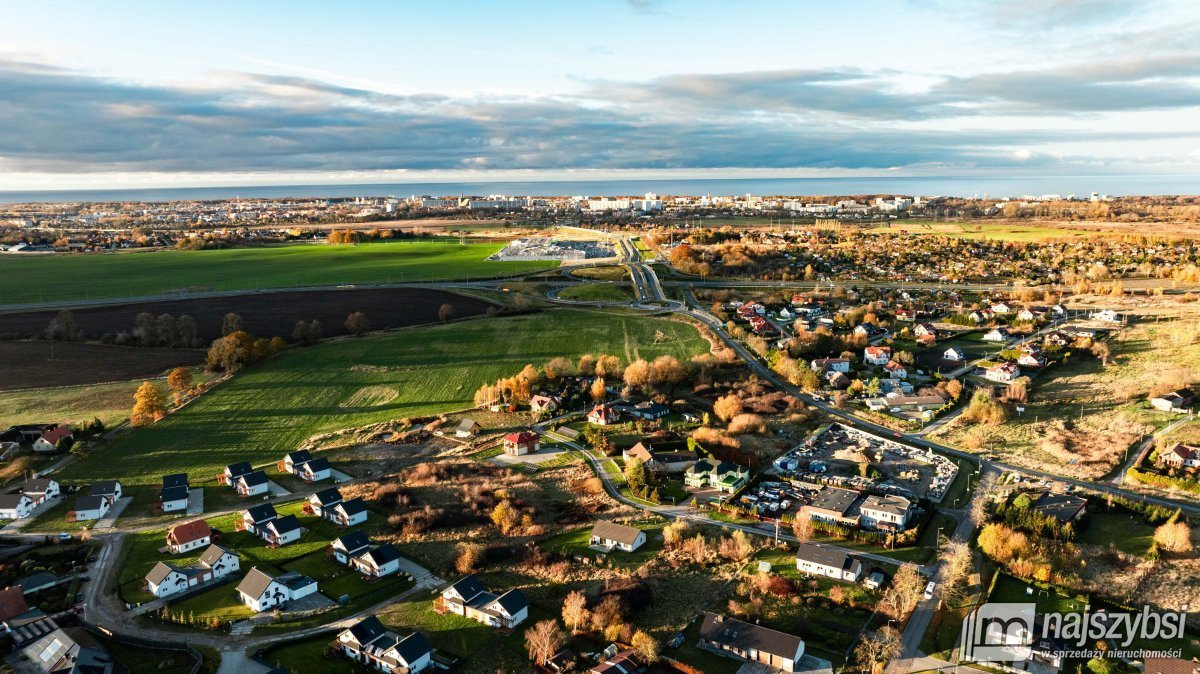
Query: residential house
{"type": "Point", "coordinates": [751, 642]}
{"type": "Point", "coordinates": [369, 643]}
{"type": "Point", "coordinates": [108, 489]}
{"type": "Point", "coordinates": [522, 443]}
{"type": "Point", "coordinates": [466, 428]}
{"type": "Point", "coordinates": [41, 489]}
{"type": "Point", "coordinates": [47, 442]}
{"type": "Point", "coordinates": [818, 560]}
{"type": "Point", "coordinates": [868, 330]}
{"type": "Point", "coordinates": [1031, 314]}
{"type": "Point", "coordinates": [293, 460]}
{"type": "Point", "coordinates": [877, 355]}
{"type": "Point", "coordinates": [89, 508]}
{"type": "Point", "coordinates": [323, 500]}
{"type": "Point", "coordinates": [59, 653]}
{"type": "Point", "coordinates": [837, 380]}
{"type": "Point", "coordinates": [1000, 334]}
{"type": "Point", "coordinates": [613, 661]}
{"type": "Point", "coordinates": [833, 504]}
{"type": "Point", "coordinates": [1179, 400]}
{"type": "Point", "coordinates": [252, 484]}
{"type": "Point", "coordinates": [615, 536]}
{"type": "Point", "coordinates": [173, 494]}
{"type": "Point", "coordinates": [886, 513]}
{"type": "Point", "coordinates": [1031, 359]}
{"type": "Point", "coordinates": [1001, 308]}
{"type": "Point", "coordinates": [258, 515]}
{"type": "Point", "coordinates": [646, 410]}
{"type": "Point", "coordinates": [896, 370]}
{"type": "Point", "coordinates": [280, 531]}
{"type": "Point", "coordinates": [166, 579]}
{"type": "Point", "coordinates": [1066, 508]}
{"type": "Point", "coordinates": [468, 597]}
{"type": "Point", "coordinates": [377, 562]}
{"type": "Point", "coordinates": [220, 561]}
{"type": "Point", "coordinates": [954, 355]}
{"type": "Point", "coordinates": [830, 364]}
{"type": "Point", "coordinates": [665, 462]}
{"type": "Point", "coordinates": [174, 480]}
{"type": "Point", "coordinates": [15, 506]}
{"type": "Point", "coordinates": [1106, 315]}
{"type": "Point", "coordinates": [603, 415]}
{"type": "Point", "coordinates": [37, 582]}
{"type": "Point", "coordinates": [1003, 372]}
{"type": "Point", "coordinates": [188, 536]}
{"type": "Point", "coordinates": [981, 316]}
{"type": "Point", "coordinates": [348, 513]}
{"type": "Point", "coordinates": [1180, 455]}
{"type": "Point", "coordinates": [235, 470]}
{"type": "Point", "coordinates": [261, 591]}
{"type": "Point", "coordinates": [925, 331]}
{"type": "Point", "coordinates": [349, 546]}
{"type": "Point", "coordinates": [542, 403]}
{"type": "Point", "coordinates": [725, 476]}
{"type": "Point", "coordinates": [314, 471]}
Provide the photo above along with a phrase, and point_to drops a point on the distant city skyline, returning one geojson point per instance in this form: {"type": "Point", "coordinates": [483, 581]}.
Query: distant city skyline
{"type": "Point", "coordinates": [141, 95]}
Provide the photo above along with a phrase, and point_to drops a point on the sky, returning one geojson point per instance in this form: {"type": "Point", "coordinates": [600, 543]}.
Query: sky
{"type": "Point", "coordinates": [170, 93]}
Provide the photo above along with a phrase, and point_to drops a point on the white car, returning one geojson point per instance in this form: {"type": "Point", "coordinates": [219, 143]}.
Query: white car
{"type": "Point", "coordinates": [929, 589]}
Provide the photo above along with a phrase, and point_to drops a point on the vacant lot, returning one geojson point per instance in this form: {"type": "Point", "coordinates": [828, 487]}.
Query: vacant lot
{"type": "Point", "coordinates": [1082, 416]}
{"type": "Point", "coordinates": [46, 364]}
{"type": "Point", "coordinates": [1000, 231]}
{"type": "Point", "coordinates": [79, 277]}
{"type": "Point", "coordinates": [272, 408]}
{"type": "Point", "coordinates": [266, 314]}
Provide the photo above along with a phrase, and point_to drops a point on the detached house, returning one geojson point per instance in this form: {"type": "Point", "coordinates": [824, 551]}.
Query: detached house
{"type": "Point", "coordinates": [301, 464]}
{"type": "Point", "coordinates": [377, 562]}
{"type": "Point", "coordinates": [235, 470]}
{"type": "Point", "coordinates": [998, 335]}
{"type": "Point", "coordinates": [833, 504]}
{"type": "Point", "coordinates": [615, 536]}
{"type": "Point", "coordinates": [252, 484]}
{"type": "Point", "coordinates": [726, 476]}
{"type": "Point", "coordinates": [280, 531]}
{"type": "Point", "coordinates": [41, 490]}
{"type": "Point", "coordinates": [188, 536]}
{"type": "Point", "coordinates": [468, 597]}
{"type": "Point", "coordinates": [107, 489]}
{"type": "Point", "coordinates": [816, 560]}
{"type": "Point", "coordinates": [1181, 456]}
{"type": "Point", "coordinates": [173, 495]}
{"type": "Point", "coordinates": [603, 415]}
{"type": "Point", "coordinates": [754, 643]}
{"type": "Point", "coordinates": [348, 513]}
{"type": "Point", "coordinates": [954, 355]}
{"type": "Point", "coordinates": [15, 506]}
{"type": "Point", "coordinates": [1003, 372]}
{"type": "Point", "coordinates": [520, 444]}
{"type": "Point", "coordinates": [1175, 401]}
{"type": "Point", "coordinates": [830, 365]}
{"type": "Point", "coordinates": [888, 513]}
{"type": "Point", "coordinates": [896, 370]}
{"type": "Point", "coordinates": [166, 579]}
{"type": "Point", "coordinates": [667, 462]}
{"type": "Point", "coordinates": [369, 643]}
{"type": "Point", "coordinates": [320, 502]}
{"type": "Point", "coordinates": [49, 440]}
{"type": "Point", "coordinates": [877, 355]}
{"type": "Point", "coordinates": [349, 546]}
{"type": "Point", "coordinates": [540, 403]}
{"type": "Point", "coordinates": [89, 508]}
{"type": "Point", "coordinates": [252, 518]}
{"type": "Point", "coordinates": [646, 410]}
{"type": "Point", "coordinates": [261, 591]}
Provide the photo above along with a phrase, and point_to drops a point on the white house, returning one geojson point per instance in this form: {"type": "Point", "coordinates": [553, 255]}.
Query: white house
{"type": "Point", "coordinates": [615, 536]}
{"type": "Point", "coordinates": [41, 490]}
{"type": "Point", "coordinates": [314, 471]}
{"type": "Point", "coordinates": [260, 591]}
{"type": "Point", "coordinates": [89, 508]}
{"type": "Point", "coordinates": [323, 500]}
{"type": "Point", "coordinates": [368, 642]}
{"type": "Point", "coordinates": [107, 489]}
{"type": "Point", "coordinates": [830, 365]}
{"type": "Point", "coordinates": [954, 355]}
{"type": "Point", "coordinates": [777, 650]}
{"type": "Point", "coordinates": [166, 579]}
{"type": "Point", "coordinates": [252, 484]}
{"type": "Point", "coordinates": [468, 597]}
{"type": "Point", "coordinates": [348, 513]}
{"type": "Point", "coordinates": [1106, 315]}
{"type": "Point", "coordinates": [220, 561]}
{"type": "Point", "coordinates": [172, 499]}
{"type": "Point", "coordinates": [280, 531]}
{"type": "Point", "coordinates": [252, 518]}
{"type": "Point", "coordinates": [896, 370]}
{"type": "Point", "coordinates": [188, 536]}
{"type": "Point", "coordinates": [15, 506]}
{"type": "Point", "coordinates": [1003, 372]}
{"type": "Point", "coordinates": [877, 355]}
{"type": "Point", "coordinates": [1000, 334]}
{"type": "Point", "coordinates": [377, 562]}
{"type": "Point", "coordinates": [349, 546]}
{"type": "Point", "coordinates": [1001, 308]}
{"type": "Point", "coordinates": [890, 513]}
{"type": "Point", "coordinates": [828, 562]}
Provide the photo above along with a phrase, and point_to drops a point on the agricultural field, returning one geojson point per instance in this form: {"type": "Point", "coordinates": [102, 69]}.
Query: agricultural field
{"type": "Point", "coordinates": [998, 231]}
{"type": "Point", "coordinates": [1082, 416]}
{"type": "Point", "coordinates": [263, 314]}
{"type": "Point", "coordinates": [40, 364]}
{"type": "Point", "coordinates": [272, 408]}
{"type": "Point", "coordinates": [596, 292]}
{"type": "Point", "coordinates": [69, 404]}
{"type": "Point", "coordinates": [35, 279]}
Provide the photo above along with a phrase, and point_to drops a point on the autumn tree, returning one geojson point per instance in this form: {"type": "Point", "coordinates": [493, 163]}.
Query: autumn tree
{"type": "Point", "coordinates": [445, 312]}
{"type": "Point", "coordinates": [637, 374]}
{"type": "Point", "coordinates": [575, 610]}
{"type": "Point", "coordinates": [599, 389]}
{"type": "Point", "coordinates": [357, 323]}
{"type": "Point", "coordinates": [148, 405]}
{"type": "Point", "coordinates": [635, 475]}
{"type": "Point", "coordinates": [646, 646]}
{"type": "Point", "coordinates": [1174, 536]}
{"type": "Point", "coordinates": [876, 649]}
{"type": "Point", "coordinates": [737, 547]}
{"type": "Point", "coordinates": [607, 366]}
{"type": "Point", "coordinates": [802, 529]}
{"type": "Point", "coordinates": [505, 516]}
{"type": "Point", "coordinates": [230, 324]}
{"type": "Point", "coordinates": [180, 382]}
{"type": "Point", "coordinates": [469, 557]}
{"type": "Point", "coordinates": [1101, 351]}
{"type": "Point", "coordinates": [727, 407]}
{"type": "Point", "coordinates": [543, 640]}
{"type": "Point", "coordinates": [557, 368]}
{"type": "Point", "coordinates": [903, 594]}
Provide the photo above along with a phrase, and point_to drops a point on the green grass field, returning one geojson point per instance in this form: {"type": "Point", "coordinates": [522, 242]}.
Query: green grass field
{"type": "Point", "coordinates": [72, 405]}
{"type": "Point", "coordinates": [596, 292]}
{"type": "Point", "coordinates": [1125, 531]}
{"type": "Point", "coordinates": [270, 409]}
{"type": "Point", "coordinates": [68, 277]}
{"type": "Point", "coordinates": [999, 231]}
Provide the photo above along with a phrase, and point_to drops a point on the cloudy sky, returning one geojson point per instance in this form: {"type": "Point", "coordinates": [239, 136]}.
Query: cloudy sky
{"type": "Point", "coordinates": [174, 93]}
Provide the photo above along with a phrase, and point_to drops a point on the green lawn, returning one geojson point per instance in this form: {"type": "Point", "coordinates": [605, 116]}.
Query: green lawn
{"type": "Point", "coordinates": [270, 409]}
{"type": "Point", "coordinates": [596, 292]}
{"type": "Point", "coordinates": [576, 543]}
{"type": "Point", "coordinates": [1013, 590]}
{"type": "Point", "coordinates": [613, 273]}
{"type": "Point", "coordinates": [310, 654]}
{"type": "Point", "coordinates": [1128, 532]}
{"type": "Point", "coordinates": [50, 278]}
{"type": "Point", "coordinates": [73, 405]}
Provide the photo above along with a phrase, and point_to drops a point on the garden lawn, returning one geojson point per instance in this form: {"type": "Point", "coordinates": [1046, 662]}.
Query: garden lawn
{"type": "Point", "coordinates": [40, 278]}
{"type": "Point", "coordinates": [577, 543]}
{"type": "Point", "coordinates": [1128, 532]}
{"type": "Point", "coordinates": [486, 650]}
{"type": "Point", "coordinates": [271, 408]}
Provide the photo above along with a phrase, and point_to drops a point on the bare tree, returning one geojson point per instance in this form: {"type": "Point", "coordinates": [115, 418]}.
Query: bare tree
{"type": "Point", "coordinates": [575, 610]}
{"type": "Point", "coordinates": [875, 649]}
{"type": "Point", "coordinates": [543, 640]}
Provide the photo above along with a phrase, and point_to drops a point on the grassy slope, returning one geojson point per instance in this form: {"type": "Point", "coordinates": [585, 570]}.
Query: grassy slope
{"type": "Point", "coordinates": [60, 277]}
{"type": "Point", "coordinates": [270, 409]}
{"type": "Point", "coordinates": [596, 292]}
{"type": "Point", "coordinates": [71, 404]}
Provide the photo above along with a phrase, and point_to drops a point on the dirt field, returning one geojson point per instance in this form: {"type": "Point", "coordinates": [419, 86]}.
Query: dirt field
{"type": "Point", "coordinates": [46, 364]}
{"type": "Point", "coordinates": [265, 314]}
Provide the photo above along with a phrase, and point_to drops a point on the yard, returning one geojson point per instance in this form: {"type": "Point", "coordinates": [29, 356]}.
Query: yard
{"type": "Point", "coordinates": [270, 409]}
{"type": "Point", "coordinates": [576, 543]}
{"type": "Point", "coordinates": [1128, 532]}
{"type": "Point", "coordinates": [39, 278]}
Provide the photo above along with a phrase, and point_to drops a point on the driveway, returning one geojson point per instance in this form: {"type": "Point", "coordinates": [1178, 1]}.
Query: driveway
{"type": "Point", "coordinates": [114, 512]}
{"type": "Point", "coordinates": [195, 504]}
{"type": "Point", "coordinates": [15, 525]}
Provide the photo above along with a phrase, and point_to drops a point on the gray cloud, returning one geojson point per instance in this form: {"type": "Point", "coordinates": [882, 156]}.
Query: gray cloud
{"type": "Point", "coordinates": [62, 121]}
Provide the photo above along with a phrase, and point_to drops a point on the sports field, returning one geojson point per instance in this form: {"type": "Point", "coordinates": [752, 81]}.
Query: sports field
{"type": "Point", "coordinates": [47, 278]}
{"type": "Point", "coordinates": [271, 408]}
